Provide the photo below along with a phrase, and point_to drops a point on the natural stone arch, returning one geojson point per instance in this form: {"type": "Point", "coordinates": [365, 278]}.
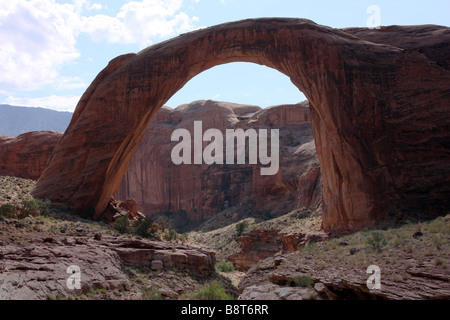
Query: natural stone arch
{"type": "Point", "coordinates": [363, 95]}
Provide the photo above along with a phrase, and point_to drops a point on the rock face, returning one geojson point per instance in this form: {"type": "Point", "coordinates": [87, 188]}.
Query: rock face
{"type": "Point", "coordinates": [202, 191]}
{"type": "Point", "coordinates": [31, 272]}
{"type": "Point", "coordinates": [379, 110]}
{"type": "Point", "coordinates": [256, 245]}
{"type": "Point", "coordinates": [293, 240]}
{"type": "Point", "coordinates": [43, 270]}
{"type": "Point", "coordinates": [270, 281]}
{"type": "Point", "coordinates": [27, 155]}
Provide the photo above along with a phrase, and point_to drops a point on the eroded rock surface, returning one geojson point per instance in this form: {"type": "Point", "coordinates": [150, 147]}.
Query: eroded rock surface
{"type": "Point", "coordinates": [271, 280]}
{"type": "Point", "coordinates": [39, 270]}
{"type": "Point", "coordinates": [256, 245]}
{"type": "Point", "coordinates": [27, 155]}
{"type": "Point", "coordinates": [260, 244]}
{"type": "Point", "coordinates": [202, 191]}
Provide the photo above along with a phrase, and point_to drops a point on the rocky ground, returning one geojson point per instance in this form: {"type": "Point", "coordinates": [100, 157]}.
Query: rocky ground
{"type": "Point", "coordinates": [36, 251]}
{"type": "Point", "coordinates": [219, 233]}
{"type": "Point", "coordinates": [414, 258]}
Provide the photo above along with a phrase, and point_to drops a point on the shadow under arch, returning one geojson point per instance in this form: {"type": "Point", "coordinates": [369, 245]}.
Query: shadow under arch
{"type": "Point", "coordinates": [356, 90]}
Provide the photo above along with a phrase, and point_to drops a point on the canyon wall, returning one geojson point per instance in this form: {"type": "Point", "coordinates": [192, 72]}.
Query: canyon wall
{"type": "Point", "coordinates": [27, 155]}
{"type": "Point", "coordinates": [158, 185]}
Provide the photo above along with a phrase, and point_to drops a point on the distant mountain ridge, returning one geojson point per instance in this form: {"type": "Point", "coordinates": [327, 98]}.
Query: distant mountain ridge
{"type": "Point", "coordinates": [17, 120]}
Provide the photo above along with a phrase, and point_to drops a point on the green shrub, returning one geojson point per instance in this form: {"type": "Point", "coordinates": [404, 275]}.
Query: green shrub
{"type": "Point", "coordinates": [225, 266]}
{"type": "Point", "coordinates": [7, 211]}
{"type": "Point", "coordinates": [170, 235]}
{"type": "Point", "coordinates": [438, 240]}
{"type": "Point", "coordinates": [151, 294]}
{"type": "Point", "coordinates": [302, 281]}
{"type": "Point", "coordinates": [144, 228]}
{"type": "Point", "coordinates": [35, 206]}
{"type": "Point", "coordinates": [376, 240]}
{"type": "Point", "coordinates": [240, 227]}
{"type": "Point", "coordinates": [212, 291]}
{"type": "Point", "coordinates": [304, 213]}
{"type": "Point", "coordinates": [122, 225]}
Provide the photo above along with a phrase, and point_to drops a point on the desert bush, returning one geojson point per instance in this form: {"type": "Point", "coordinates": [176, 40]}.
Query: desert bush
{"type": "Point", "coordinates": [35, 206]}
{"type": "Point", "coordinates": [240, 227]}
{"type": "Point", "coordinates": [170, 234]}
{"type": "Point", "coordinates": [376, 241]}
{"type": "Point", "coordinates": [7, 211]}
{"type": "Point", "coordinates": [144, 228]}
{"type": "Point", "coordinates": [302, 281]}
{"type": "Point", "coordinates": [304, 213]}
{"type": "Point", "coordinates": [225, 266]}
{"type": "Point", "coordinates": [436, 226]}
{"type": "Point", "coordinates": [438, 240]}
{"type": "Point", "coordinates": [212, 291]}
{"type": "Point", "coordinates": [151, 294]}
{"type": "Point", "coordinates": [122, 225]}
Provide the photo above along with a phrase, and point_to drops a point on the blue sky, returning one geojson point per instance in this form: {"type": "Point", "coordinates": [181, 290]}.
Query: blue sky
{"type": "Point", "coordinates": [51, 50]}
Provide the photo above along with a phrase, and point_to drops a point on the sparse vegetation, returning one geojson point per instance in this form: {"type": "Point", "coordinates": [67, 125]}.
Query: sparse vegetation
{"type": "Point", "coordinates": [212, 291]}
{"type": "Point", "coordinates": [151, 294]}
{"type": "Point", "coordinates": [122, 225]}
{"type": "Point", "coordinates": [35, 207]}
{"type": "Point", "coordinates": [7, 211]}
{"type": "Point", "coordinates": [25, 208]}
{"type": "Point", "coordinates": [145, 228]}
{"type": "Point", "coordinates": [376, 240]}
{"type": "Point", "coordinates": [304, 213]}
{"type": "Point", "coordinates": [225, 266]}
{"type": "Point", "coordinates": [240, 228]}
{"type": "Point", "coordinates": [302, 281]}
{"type": "Point", "coordinates": [170, 235]}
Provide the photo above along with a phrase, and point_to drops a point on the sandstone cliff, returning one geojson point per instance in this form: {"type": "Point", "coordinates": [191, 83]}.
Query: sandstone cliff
{"type": "Point", "coordinates": [201, 190]}
{"type": "Point", "coordinates": [27, 155]}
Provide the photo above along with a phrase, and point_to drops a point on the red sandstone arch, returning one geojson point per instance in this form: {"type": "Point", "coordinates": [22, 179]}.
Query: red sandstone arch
{"type": "Point", "coordinates": [379, 111]}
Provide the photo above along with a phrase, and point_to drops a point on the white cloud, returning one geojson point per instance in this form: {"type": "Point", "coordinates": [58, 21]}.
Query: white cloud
{"type": "Point", "coordinates": [79, 5]}
{"type": "Point", "coordinates": [54, 102]}
{"type": "Point", "coordinates": [37, 37]}
{"type": "Point", "coordinates": [140, 22]}
{"type": "Point", "coordinates": [70, 83]}
{"type": "Point", "coordinates": [95, 6]}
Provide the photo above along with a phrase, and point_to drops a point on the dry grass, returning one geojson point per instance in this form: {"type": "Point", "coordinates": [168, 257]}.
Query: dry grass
{"type": "Point", "coordinates": [402, 251]}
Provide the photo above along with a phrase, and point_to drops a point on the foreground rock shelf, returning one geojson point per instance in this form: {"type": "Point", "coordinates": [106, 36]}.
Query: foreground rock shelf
{"type": "Point", "coordinates": [35, 271]}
